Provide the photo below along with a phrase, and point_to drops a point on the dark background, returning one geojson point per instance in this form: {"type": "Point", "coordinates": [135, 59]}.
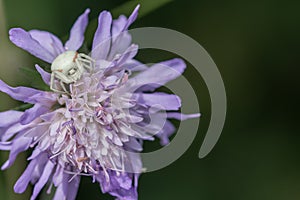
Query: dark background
{"type": "Point", "coordinates": [255, 45]}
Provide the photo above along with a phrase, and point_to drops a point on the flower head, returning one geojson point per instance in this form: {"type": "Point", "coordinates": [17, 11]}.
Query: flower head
{"type": "Point", "coordinates": [92, 124]}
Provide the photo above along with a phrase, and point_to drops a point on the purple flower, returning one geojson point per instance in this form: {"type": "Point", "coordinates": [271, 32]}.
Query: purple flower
{"type": "Point", "coordinates": [90, 125]}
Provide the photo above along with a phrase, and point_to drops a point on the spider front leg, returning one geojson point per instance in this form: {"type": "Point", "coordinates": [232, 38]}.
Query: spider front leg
{"type": "Point", "coordinates": [86, 61]}
{"type": "Point", "coordinates": [63, 86]}
{"type": "Point", "coordinates": [61, 81]}
{"type": "Point", "coordinates": [52, 83]}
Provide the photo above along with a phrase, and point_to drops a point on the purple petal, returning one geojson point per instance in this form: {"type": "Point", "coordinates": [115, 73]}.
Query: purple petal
{"type": "Point", "coordinates": [119, 44]}
{"type": "Point", "coordinates": [43, 179]}
{"type": "Point", "coordinates": [134, 65]}
{"type": "Point", "coordinates": [35, 153]}
{"type": "Point", "coordinates": [19, 145]}
{"type": "Point", "coordinates": [101, 42]}
{"type": "Point", "coordinates": [134, 144]}
{"type": "Point", "coordinates": [60, 192]}
{"type": "Point", "coordinates": [12, 130]}
{"type": "Point", "coordinates": [136, 166]}
{"type": "Point", "coordinates": [24, 40]}
{"type": "Point", "coordinates": [45, 75]}
{"type": "Point", "coordinates": [25, 178]}
{"type": "Point", "coordinates": [58, 176]}
{"type": "Point", "coordinates": [77, 32]}
{"type": "Point", "coordinates": [73, 188]}
{"type": "Point", "coordinates": [5, 145]}
{"type": "Point", "coordinates": [121, 24]}
{"type": "Point", "coordinates": [121, 39]}
{"type": "Point", "coordinates": [28, 95]}
{"type": "Point", "coordinates": [118, 25]}
{"type": "Point", "coordinates": [49, 41]}
{"type": "Point", "coordinates": [132, 17]}
{"type": "Point", "coordinates": [9, 117]}
{"type": "Point", "coordinates": [181, 116]}
{"type": "Point", "coordinates": [27, 175]}
{"type": "Point", "coordinates": [117, 64]}
{"type": "Point", "coordinates": [32, 113]}
{"type": "Point", "coordinates": [166, 132]}
{"type": "Point", "coordinates": [122, 186]}
{"type": "Point", "coordinates": [160, 100]}
{"type": "Point", "coordinates": [158, 74]}
{"type": "Point", "coordinates": [67, 190]}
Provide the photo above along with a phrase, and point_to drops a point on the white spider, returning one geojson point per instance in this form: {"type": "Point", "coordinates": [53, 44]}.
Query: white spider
{"type": "Point", "coordinates": [68, 68]}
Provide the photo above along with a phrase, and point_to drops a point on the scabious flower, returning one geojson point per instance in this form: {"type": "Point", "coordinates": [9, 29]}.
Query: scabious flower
{"type": "Point", "coordinates": [96, 127]}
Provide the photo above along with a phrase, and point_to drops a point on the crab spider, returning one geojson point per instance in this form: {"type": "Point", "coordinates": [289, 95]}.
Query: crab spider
{"type": "Point", "coordinates": [68, 67]}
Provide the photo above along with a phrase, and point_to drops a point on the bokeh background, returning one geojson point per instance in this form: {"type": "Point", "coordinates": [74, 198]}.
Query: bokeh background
{"type": "Point", "coordinates": [255, 45]}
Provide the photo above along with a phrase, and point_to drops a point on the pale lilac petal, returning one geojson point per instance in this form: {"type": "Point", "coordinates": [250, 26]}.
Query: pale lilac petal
{"type": "Point", "coordinates": [132, 17]}
{"type": "Point", "coordinates": [165, 133]}
{"type": "Point", "coordinates": [121, 39]}
{"type": "Point", "coordinates": [117, 64]}
{"type": "Point", "coordinates": [19, 145]}
{"type": "Point", "coordinates": [45, 75]}
{"type": "Point", "coordinates": [160, 100]}
{"type": "Point", "coordinates": [22, 183]}
{"type": "Point", "coordinates": [118, 25]}
{"type": "Point", "coordinates": [136, 166]}
{"type": "Point", "coordinates": [102, 38]}
{"type": "Point", "coordinates": [134, 144]}
{"type": "Point", "coordinates": [5, 145]}
{"type": "Point", "coordinates": [122, 186]}
{"type": "Point", "coordinates": [48, 41]}
{"type": "Point", "coordinates": [158, 74]}
{"type": "Point", "coordinates": [134, 65]}
{"type": "Point", "coordinates": [73, 188]}
{"type": "Point", "coordinates": [36, 152]}
{"type": "Point", "coordinates": [153, 123]}
{"type": "Point", "coordinates": [67, 190]}
{"type": "Point", "coordinates": [9, 117]}
{"type": "Point", "coordinates": [36, 131]}
{"type": "Point", "coordinates": [43, 179]}
{"type": "Point", "coordinates": [12, 131]}
{"type": "Point", "coordinates": [24, 40]}
{"type": "Point", "coordinates": [60, 192]}
{"type": "Point", "coordinates": [32, 113]}
{"type": "Point", "coordinates": [28, 95]}
{"type": "Point", "coordinates": [181, 116]}
{"type": "Point", "coordinates": [58, 176]}
{"type": "Point", "coordinates": [28, 174]}
{"type": "Point", "coordinates": [122, 23]}
{"type": "Point", "coordinates": [77, 32]}
{"type": "Point", "coordinates": [120, 43]}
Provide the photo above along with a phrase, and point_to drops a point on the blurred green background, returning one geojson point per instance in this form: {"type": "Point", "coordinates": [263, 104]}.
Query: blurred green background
{"type": "Point", "coordinates": [255, 45]}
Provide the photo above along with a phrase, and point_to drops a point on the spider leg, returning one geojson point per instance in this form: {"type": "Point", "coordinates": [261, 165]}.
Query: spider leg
{"type": "Point", "coordinates": [63, 86]}
{"type": "Point", "coordinates": [83, 56]}
{"type": "Point", "coordinates": [86, 61]}
{"type": "Point", "coordinates": [79, 65]}
{"type": "Point", "coordinates": [52, 83]}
